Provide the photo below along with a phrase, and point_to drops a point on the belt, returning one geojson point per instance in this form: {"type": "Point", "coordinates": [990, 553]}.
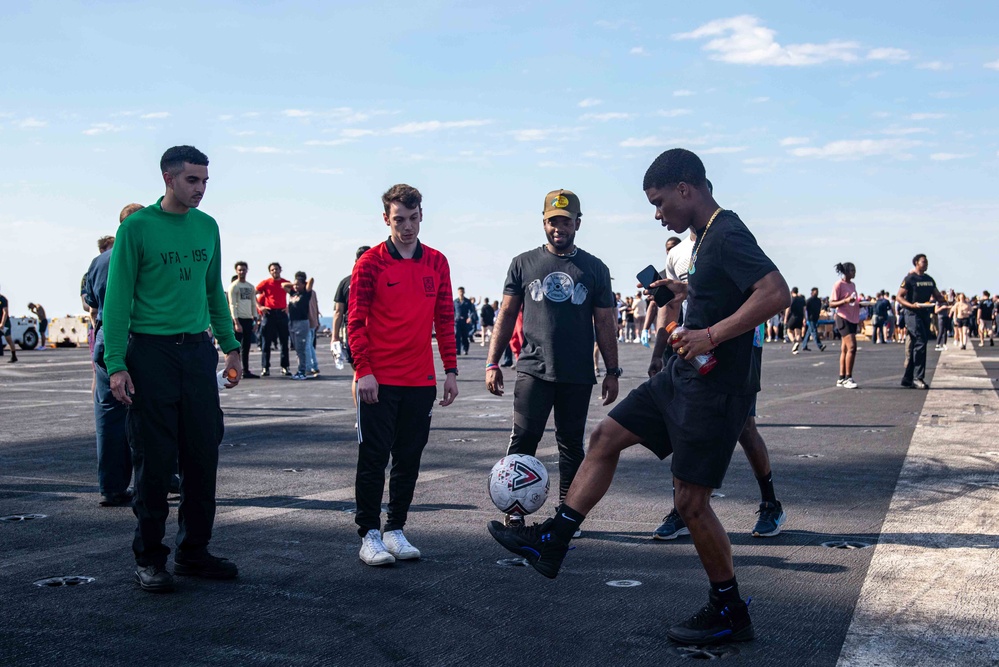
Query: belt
{"type": "Point", "coordinates": [177, 339]}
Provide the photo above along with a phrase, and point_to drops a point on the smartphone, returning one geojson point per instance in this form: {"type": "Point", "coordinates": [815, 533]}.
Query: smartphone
{"type": "Point", "coordinates": [662, 294]}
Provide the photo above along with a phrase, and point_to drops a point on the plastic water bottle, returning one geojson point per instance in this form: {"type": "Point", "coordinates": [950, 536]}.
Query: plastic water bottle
{"type": "Point", "coordinates": [222, 378]}
{"type": "Point", "coordinates": [702, 362]}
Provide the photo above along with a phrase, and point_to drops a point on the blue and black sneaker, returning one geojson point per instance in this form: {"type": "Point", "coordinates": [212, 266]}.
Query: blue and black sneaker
{"type": "Point", "coordinates": [718, 622]}
{"type": "Point", "coordinates": [672, 527]}
{"type": "Point", "coordinates": [535, 543]}
{"type": "Point", "coordinates": [772, 517]}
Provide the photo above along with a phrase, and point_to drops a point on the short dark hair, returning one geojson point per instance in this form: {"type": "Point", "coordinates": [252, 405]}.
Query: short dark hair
{"type": "Point", "coordinates": [461, 289]}
{"type": "Point", "coordinates": [403, 194]}
{"type": "Point", "coordinates": [794, 290]}
{"type": "Point", "coordinates": [104, 243]}
{"type": "Point", "coordinates": [677, 165]}
{"type": "Point", "coordinates": [277, 264]}
{"type": "Point", "coordinates": [300, 274]}
{"type": "Point", "coordinates": [173, 160]}
{"type": "Point", "coordinates": [241, 263]}
{"type": "Point", "coordinates": [674, 241]}
{"type": "Point", "coordinates": [815, 289]}
{"type": "Point", "coordinates": [360, 251]}
{"type": "Point", "coordinates": [915, 260]}
{"type": "Point", "coordinates": [129, 210]}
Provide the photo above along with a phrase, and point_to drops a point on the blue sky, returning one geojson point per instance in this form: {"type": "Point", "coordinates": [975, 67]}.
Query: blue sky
{"type": "Point", "coordinates": [848, 131]}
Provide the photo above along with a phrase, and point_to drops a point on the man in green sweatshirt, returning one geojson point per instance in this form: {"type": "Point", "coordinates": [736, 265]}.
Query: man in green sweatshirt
{"type": "Point", "coordinates": [164, 291]}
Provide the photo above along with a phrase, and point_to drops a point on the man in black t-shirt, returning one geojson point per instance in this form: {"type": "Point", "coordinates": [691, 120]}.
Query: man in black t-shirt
{"type": "Point", "coordinates": [5, 329]}
{"type": "Point", "coordinates": [813, 311]}
{"type": "Point", "coordinates": [566, 295]}
{"type": "Point", "coordinates": [733, 286]}
{"type": "Point", "coordinates": [986, 314]}
{"type": "Point", "coordinates": [794, 319]}
{"type": "Point", "coordinates": [464, 309]}
{"type": "Point", "coordinates": [299, 297]}
{"type": "Point", "coordinates": [488, 315]}
{"type": "Point", "coordinates": [916, 294]}
{"type": "Point", "coordinates": [882, 313]}
{"type": "Point", "coordinates": [339, 345]}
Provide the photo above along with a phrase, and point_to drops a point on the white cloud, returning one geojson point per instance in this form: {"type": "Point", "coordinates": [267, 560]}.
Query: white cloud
{"type": "Point", "coordinates": [904, 131]}
{"type": "Point", "coordinates": [603, 117]}
{"type": "Point", "coordinates": [881, 114]}
{"type": "Point", "coordinates": [296, 113]}
{"type": "Point", "coordinates": [355, 133]}
{"type": "Point", "coordinates": [590, 102]}
{"type": "Point", "coordinates": [549, 134]}
{"type": "Point", "coordinates": [743, 40]}
{"type": "Point", "coordinates": [793, 141]}
{"type": "Point", "coordinates": [992, 65]}
{"type": "Point", "coordinates": [226, 116]}
{"type": "Point", "coordinates": [434, 125]}
{"type": "Point", "coordinates": [263, 150]}
{"type": "Point", "coordinates": [759, 100]}
{"type": "Point", "coordinates": [927, 116]}
{"type": "Point", "coordinates": [102, 128]}
{"type": "Point", "coordinates": [155, 114]}
{"type": "Point", "coordinates": [642, 142]}
{"type": "Point", "coordinates": [853, 149]}
{"type": "Point", "coordinates": [943, 157]}
{"type": "Point", "coordinates": [328, 142]}
{"type": "Point", "coordinates": [673, 113]}
{"type": "Point", "coordinates": [722, 150]}
{"type": "Point", "coordinates": [683, 93]}
{"type": "Point", "coordinates": [615, 25]}
{"type": "Point", "coordinates": [31, 123]}
{"type": "Point", "coordinates": [243, 133]}
{"type": "Point", "coordinates": [639, 51]}
{"type": "Point", "coordinates": [934, 65]}
{"type": "Point", "coordinates": [888, 54]}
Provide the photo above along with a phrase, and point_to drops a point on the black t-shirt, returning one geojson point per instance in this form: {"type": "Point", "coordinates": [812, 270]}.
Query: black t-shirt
{"type": "Point", "coordinates": [882, 307]}
{"type": "Point", "coordinates": [813, 307]}
{"type": "Point", "coordinates": [298, 305]}
{"type": "Point", "coordinates": [488, 315]}
{"type": "Point", "coordinates": [4, 304]}
{"type": "Point", "coordinates": [559, 295]}
{"type": "Point", "coordinates": [919, 289]}
{"type": "Point", "coordinates": [342, 297]}
{"type": "Point", "coordinates": [797, 306]}
{"type": "Point", "coordinates": [986, 310]}
{"type": "Point", "coordinates": [729, 262]}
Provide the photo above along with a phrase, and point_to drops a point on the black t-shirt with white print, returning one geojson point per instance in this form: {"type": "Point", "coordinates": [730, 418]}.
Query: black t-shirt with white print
{"type": "Point", "coordinates": [919, 289]}
{"type": "Point", "coordinates": [559, 295]}
{"type": "Point", "coordinates": [728, 263]}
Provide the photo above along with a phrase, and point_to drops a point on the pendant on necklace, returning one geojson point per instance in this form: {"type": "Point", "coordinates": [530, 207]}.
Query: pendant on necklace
{"type": "Point", "coordinates": [691, 271]}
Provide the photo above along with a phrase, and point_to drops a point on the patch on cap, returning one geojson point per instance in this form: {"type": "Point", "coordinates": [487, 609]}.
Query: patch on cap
{"type": "Point", "coordinates": [560, 202]}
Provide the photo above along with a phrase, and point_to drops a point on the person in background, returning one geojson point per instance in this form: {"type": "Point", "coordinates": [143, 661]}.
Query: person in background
{"type": "Point", "coordinates": [314, 315]}
{"type": "Point", "coordinates": [43, 324]}
{"type": "Point", "coordinates": [299, 296]}
{"type": "Point", "coordinates": [845, 300]}
{"type": "Point", "coordinates": [272, 299]}
{"type": "Point", "coordinates": [5, 329]}
{"type": "Point", "coordinates": [488, 317]}
{"type": "Point", "coordinates": [243, 307]}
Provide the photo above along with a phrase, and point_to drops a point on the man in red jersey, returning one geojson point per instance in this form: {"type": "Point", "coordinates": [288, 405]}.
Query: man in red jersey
{"type": "Point", "coordinates": [273, 302]}
{"type": "Point", "coordinates": [400, 290]}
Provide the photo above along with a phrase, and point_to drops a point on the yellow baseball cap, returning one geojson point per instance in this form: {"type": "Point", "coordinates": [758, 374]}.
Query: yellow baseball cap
{"type": "Point", "coordinates": [561, 202]}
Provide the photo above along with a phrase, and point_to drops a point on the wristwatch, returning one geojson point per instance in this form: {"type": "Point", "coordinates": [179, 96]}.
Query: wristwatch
{"type": "Point", "coordinates": [451, 370]}
{"type": "Point", "coordinates": [614, 372]}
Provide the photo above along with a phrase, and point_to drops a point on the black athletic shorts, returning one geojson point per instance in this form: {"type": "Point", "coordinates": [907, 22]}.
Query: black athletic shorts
{"type": "Point", "coordinates": [964, 321]}
{"type": "Point", "coordinates": [795, 322]}
{"type": "Point", "coordinates": [675, 412]}
{"type": "Point", "coordinates": [845, 328]}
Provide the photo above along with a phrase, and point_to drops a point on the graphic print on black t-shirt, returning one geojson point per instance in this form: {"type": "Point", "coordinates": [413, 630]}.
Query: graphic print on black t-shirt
{"type": "Point", "coordinates": [919, 289]}
{"type": "Point", "coordinates": [986, 310]}
{"type": "Point", "coordinates": [729, 263]}
{"type": "Point", "coordinates": [298, 305]}
{"type": "Point", "coordinates": [559, 295]}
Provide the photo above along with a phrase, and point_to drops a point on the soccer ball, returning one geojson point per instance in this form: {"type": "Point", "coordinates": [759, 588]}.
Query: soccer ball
{"type": "Point", "coordinates": [518, 484]}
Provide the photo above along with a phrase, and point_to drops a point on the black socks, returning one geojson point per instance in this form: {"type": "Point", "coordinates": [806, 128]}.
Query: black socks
{"type": "Point", "coordinates": [567, 521]}
{"type": "Point", "coordinates": [767, 488]}
{"type": "Point", "coordinates": [726, 591]}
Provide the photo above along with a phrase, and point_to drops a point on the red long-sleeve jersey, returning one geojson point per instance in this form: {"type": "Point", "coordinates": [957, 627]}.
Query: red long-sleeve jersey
{"type": "Point", "coordinates": [394, 306]}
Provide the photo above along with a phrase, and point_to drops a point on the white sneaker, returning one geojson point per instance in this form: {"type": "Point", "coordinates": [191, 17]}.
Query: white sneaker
{"type": "Point", "coordinates": [399, 546]}
{"type": "Point", "coordinates": [373, 551]}
{"type": "Point", "coordinates": [839, 383]}
{"type": "Point", "coordinates": [850, 384]}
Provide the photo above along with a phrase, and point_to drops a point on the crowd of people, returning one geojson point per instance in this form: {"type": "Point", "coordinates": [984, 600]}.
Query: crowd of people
{"type": "Point", "coordinates": [155, 365]}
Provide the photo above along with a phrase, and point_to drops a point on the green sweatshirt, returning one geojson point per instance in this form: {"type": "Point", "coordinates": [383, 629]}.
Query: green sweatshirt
{"type": "Point", "coordinates": [165, 278]}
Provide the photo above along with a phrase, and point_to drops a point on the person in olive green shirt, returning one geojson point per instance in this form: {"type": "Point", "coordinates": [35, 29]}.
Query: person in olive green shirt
{"type": "Point", "coordinates": [164, 291]}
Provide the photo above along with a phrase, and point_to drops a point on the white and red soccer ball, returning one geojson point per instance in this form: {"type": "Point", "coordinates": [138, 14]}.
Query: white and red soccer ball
{"type": "Point", "coordinates": [518, 484]}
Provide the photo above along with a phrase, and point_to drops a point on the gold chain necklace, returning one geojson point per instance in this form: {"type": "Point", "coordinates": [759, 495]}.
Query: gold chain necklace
{"type": "Point", "coordinates": [693, 256]}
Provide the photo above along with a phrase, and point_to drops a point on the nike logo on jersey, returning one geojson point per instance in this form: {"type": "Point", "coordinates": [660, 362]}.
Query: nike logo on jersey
{"type": "Point", "coordinates": [393, 284]}
{"type": "Point", "coordinates": [569, 518]}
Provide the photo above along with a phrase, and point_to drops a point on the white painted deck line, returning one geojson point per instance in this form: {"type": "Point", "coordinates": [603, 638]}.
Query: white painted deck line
{"type": "Point", "coordinates": [931, 596]}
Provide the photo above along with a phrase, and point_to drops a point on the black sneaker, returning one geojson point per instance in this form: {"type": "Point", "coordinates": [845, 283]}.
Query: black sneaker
{"type": "Point", "coordinates": [671, 528]}
{"type": "Point", "coordinates": [205, 565]}
{"type": "Point", "coordinates": [153, 578]}
{"type": "Point", "coordinates": [822, 348]}
{"type": "Point", "coordinates": [908, 384]}
{"type": "Point", "coordinates": [123, 499]}
{"type": "Point", "coordinates": [718, 622]}
{"type": "Point", "coordinates": [772, 517]}
{"type": "Point", "coordinates": [285, 371]}
{"type": "Point", "coordinates": [247, 375]}
{"type": "Point", "coordinates": [919, 384]}
{"type": "Point", "coordinates": [265, 372]}
{"type": "Point", "coordinates": [535, 543]}
{"type": "Point", "coordinates": [513, 521]}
